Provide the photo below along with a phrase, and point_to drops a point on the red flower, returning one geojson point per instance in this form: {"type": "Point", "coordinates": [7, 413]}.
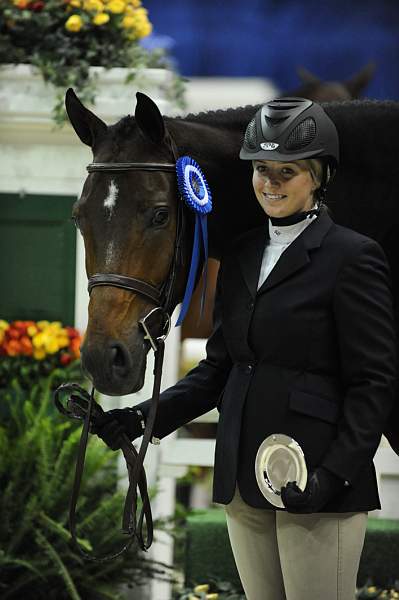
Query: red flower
{"type": "Point", "coordinates": [65, 359]}
{"type": "Point", "coordinates": [37, 6]}
{"type": "Point", "coordinates": [72, 332]}
{"type": "Point", "coordinates": [13, 333]}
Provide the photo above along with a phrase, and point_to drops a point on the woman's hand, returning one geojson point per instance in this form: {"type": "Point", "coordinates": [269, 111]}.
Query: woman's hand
{"type": "Point", "coordinates": [113, 423]}
{"type": "Point", "coordinates": [321, 487]}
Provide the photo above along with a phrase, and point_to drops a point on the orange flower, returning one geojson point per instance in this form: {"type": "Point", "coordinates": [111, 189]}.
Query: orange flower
{"type": "Point", "coordinates": [26, 345]}
{"type": "Point", "coordinates": [74, 347]}
{"type": "Point", "coordinates": [21, 4]}
{"type": "Point", "coordinates": [12, 347]}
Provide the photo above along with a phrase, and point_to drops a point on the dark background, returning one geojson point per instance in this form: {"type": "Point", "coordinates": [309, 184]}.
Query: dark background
{"type": "Point", "coordinates": [270, 38]}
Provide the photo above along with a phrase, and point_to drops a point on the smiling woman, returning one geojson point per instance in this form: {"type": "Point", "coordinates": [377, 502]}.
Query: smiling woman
{"type": "Point", "coordinates": [284, 188]}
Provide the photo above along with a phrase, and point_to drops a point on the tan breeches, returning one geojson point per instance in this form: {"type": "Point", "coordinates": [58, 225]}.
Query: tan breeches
{"type": "Point", "coordinates": [285, 556]}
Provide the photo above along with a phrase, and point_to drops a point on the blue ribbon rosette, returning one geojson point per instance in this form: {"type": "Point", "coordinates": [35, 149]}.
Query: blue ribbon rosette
{"type": "Point", "coordinates": [197, 195]}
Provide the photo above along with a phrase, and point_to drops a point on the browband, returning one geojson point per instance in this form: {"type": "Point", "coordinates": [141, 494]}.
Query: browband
{"type": "Point", "coordinates": [131, 166]}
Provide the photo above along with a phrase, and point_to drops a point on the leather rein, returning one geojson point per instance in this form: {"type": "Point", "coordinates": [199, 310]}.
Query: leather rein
{"type": "Point", "coordinates": [82, 406]}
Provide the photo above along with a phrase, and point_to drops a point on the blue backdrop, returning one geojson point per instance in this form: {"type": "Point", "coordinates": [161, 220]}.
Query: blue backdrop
{"type": "Point", "coordinates": [271, 38]}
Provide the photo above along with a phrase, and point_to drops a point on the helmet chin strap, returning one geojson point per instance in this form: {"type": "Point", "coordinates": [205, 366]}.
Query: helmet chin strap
{"type": "Point", "coordinates": [297, 217]}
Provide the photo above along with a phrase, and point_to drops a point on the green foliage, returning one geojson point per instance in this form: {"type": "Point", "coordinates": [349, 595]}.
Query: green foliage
{"type": "Point", "coordinates": [37, 561]}
{"type": "Point", "coordinates": [37, 33]}
{"type": "Point", "coordinates": [28, 371]}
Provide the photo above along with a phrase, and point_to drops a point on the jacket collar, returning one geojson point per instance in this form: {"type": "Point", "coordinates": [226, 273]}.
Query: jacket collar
{"type": "Point", "coordinates": [251, 247]}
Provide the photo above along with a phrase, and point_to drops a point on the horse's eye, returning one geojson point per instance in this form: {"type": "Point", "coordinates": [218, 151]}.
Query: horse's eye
{"type": "Point", "coordinates": [160, 217]}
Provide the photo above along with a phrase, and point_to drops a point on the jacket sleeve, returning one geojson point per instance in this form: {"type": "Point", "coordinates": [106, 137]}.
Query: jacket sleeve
{"type": "Point", "coordinates": [198, 392]}
{"type": "Point", "coordinates": [364, 316]}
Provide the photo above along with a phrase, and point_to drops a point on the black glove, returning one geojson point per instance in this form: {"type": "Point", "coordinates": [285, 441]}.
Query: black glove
{"type": "Point", "coordinates": [110, 425]}
{"type": "Point", "coordinates": [321, 487]}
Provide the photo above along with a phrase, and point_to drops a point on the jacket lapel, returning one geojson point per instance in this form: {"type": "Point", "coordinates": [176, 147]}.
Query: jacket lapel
{"type": "Point", "coordinates": [250, 255]}
{"type": "Point", "coordinates": [294, 258]}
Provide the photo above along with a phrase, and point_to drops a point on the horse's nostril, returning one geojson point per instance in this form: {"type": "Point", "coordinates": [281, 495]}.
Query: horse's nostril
{"type": "Point", "coordinates": [117, 357]}
{"type": "Point", "coordinates": [120, 361]}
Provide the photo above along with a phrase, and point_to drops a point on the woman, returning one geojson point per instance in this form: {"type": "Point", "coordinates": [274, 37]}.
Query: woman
{"type": "Point", "coordinates": [303, 345]}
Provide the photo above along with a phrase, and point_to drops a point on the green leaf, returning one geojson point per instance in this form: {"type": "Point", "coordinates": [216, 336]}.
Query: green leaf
{"type": "Point", "coordinates": [62, 570]}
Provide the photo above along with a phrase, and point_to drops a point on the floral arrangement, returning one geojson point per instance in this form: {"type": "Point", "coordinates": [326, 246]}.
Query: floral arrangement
{"type": "Point", "coordinates": [30, 350]}
{"type": "Point", "coordinates": [63, 38]}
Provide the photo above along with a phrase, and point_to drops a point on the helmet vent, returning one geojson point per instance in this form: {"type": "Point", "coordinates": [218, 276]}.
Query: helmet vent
{"type": "Point", "coordinates": [274, 122]}
{"type": "Point", "coordinates": [250, 135]}
{"type": "Point", "coordinates": [302, 135]}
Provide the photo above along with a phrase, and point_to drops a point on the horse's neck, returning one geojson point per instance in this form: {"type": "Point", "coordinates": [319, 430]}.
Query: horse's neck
{"type": "Point", "coordinates": [214, 140]}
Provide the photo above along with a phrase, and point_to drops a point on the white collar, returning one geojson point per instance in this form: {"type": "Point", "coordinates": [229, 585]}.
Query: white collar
{"type": "Point", "coordinates": [284, 234]}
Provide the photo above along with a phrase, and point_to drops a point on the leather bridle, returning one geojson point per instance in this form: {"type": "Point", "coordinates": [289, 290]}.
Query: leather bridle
{"type": "Point", "coordinates": [82, 406]}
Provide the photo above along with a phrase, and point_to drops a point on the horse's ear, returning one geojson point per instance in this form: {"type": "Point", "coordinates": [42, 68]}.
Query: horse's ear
{"type": "Point", "coordinates": [358, 82]}
{"type": "Point", "coordinates": [306, 76]}
{"type": "Point", "coordinates": [149, 119]}
{"type": "Point", "coordinates": [86, 124]}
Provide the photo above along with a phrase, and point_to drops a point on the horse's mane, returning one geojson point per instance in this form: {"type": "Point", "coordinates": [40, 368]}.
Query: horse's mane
{"type": "Point", "coordinates": [223, 116]}
{"type": "Point", "coordinates": [367, 129]}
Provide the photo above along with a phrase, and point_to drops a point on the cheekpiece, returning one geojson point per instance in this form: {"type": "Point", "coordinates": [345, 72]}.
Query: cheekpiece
{"type": "Point", "coordinates": [279, 459]}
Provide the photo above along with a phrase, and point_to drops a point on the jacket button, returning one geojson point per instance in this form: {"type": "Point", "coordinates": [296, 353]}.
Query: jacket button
{"type": "Point", "coordinates": [250, 305]}
{"type": "Point", "coordinates": [248, 368]}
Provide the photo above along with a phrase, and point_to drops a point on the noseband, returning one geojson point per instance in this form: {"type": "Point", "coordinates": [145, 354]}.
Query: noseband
{"type": "Point", "coordinates": [82, 406]}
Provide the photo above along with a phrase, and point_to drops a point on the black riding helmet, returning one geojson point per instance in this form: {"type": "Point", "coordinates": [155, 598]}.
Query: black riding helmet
{"type": "Point", "coordinates": [287, 129]}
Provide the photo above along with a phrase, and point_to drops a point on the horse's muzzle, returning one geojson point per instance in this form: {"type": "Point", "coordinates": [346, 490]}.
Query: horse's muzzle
{"type": "Point", "coordinates": [113, 368]}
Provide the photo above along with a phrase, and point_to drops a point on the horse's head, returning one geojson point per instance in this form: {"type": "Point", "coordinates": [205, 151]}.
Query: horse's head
{"type": "Point", "coordinates": [128, 220]}
{"type": "Point", "coordinates": [330, 91]}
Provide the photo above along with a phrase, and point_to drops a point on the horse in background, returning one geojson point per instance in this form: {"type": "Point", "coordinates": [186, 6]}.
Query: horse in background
{"type": "Point", "coordinates": [318, 90]}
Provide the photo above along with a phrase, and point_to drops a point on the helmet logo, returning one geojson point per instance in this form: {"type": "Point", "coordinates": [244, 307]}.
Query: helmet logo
{"type": "Point", "coordinates": [269, 146]}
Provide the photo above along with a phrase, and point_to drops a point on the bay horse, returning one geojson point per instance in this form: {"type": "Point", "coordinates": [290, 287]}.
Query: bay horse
{"type": "Point", "coordinates": [318, 90]}
{"type": "Point", "coordinates": [128, 219]}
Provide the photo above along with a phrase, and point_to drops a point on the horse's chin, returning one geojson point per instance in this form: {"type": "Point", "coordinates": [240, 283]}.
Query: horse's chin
{"type": "Point", "coordinates": [119, 388]}
{"type": "Point", "coordinates": [114, 381]}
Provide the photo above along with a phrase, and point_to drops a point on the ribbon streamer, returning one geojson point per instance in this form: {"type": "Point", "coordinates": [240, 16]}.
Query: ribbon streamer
{"type": "Point", "coordinates": [196, 194]}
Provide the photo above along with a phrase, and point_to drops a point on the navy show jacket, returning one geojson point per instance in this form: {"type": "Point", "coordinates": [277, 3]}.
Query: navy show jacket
{"type": "Point", "coordinates": [311, 354]}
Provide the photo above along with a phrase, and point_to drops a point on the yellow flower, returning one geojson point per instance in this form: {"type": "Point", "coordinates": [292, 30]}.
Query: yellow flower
{"type": "Point", "coordinates": [134, 3]}
{"type": "Point", "coordinates": [4, 325]}
{"type": "Point", "coordinates": [39, 340]}
{"type": "Point", "coordinates": [75, 3]}
{"type": "Point", "coordinates": [2, 335]}
{"type": "Point", "coordinates": [32, 330]}
{"type": "Point", "coordinates": [51, 345]}
{"type": "Point", "coordinates": [63, 341]}
{"type": "Point", "coordinates": [74, 23]}
{"type": "Point", "coordinates": [101, 18]}
{"type": "Point", "coordinates": [42, 324]}
{"type": "Point", "coordinates": [144, 30]}
{"type": "Point", "coordinates": [94, 5]}
{"type": "Point", "coordinates": [128, 22]}
{"type": "Point", "coordinates": [201, 588]}
{"type": "Point", "coordinates": [39, 353]}
{"type": "Point", "coordinates": [116, 6]}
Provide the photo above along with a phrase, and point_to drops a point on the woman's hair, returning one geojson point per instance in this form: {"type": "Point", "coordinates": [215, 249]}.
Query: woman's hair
{"type": "Point", "coordinates": [315, 166]}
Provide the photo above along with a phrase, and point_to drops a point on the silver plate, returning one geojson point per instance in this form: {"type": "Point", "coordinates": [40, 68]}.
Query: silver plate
{"type": "Point", "coordinates": [279, 459]}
